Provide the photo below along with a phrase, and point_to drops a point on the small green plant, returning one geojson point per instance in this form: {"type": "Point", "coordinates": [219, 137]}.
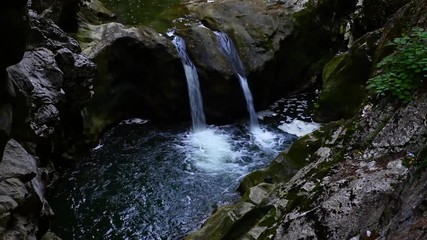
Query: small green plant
{"type": "Point", "coordinates": [402, 72]}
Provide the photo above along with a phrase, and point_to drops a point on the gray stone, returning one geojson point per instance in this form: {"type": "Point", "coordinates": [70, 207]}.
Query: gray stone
{"type": "Point", "coordinates": [14, 188]}
{"type": "Point", "coordinates": [132, 80]}
{"type": "Point", "coordinates": [7, 204]}
{"type": "Point", "coordinates": [44, 33]}
{"type": "Point", "coordinates": [4, 219]}
{"type": "Point", "coordinates": [259, 192]}
{"type": "Point", "coordinates": [39, 82]}
{"type": "Point", "coordinates": [50, 236]}
{"type": "Point", "coordinates": [24, 228]}
{"type": "Point", "coordinates": [17, 163]}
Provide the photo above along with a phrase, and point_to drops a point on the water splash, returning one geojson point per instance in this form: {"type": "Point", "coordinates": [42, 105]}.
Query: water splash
{"type": "Point", "coordinates": [196, 102]}
{"type": "Point", "coordinates": [230, 51]}
{"type": "Point", "coordinates": [266, 140]}
{"type": "Point", "coordinates": [211, 151]}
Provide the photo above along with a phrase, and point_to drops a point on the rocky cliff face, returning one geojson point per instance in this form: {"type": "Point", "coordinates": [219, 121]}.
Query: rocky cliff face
{"type": "Point", "coordinates": [283, 46]}
{"type": "Point", "coordinates": [41, 115]}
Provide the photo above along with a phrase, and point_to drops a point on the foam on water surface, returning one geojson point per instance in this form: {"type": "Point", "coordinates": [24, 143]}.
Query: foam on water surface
{"type": "Point", "coordinates": [299, 128]}
{"type": "Point", "coordinates": [211, 150]}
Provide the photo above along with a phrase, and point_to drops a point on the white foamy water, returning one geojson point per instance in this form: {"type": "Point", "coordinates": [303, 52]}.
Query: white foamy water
{"type": "Point", "coordinates": [265, 139]}
{"type": "Point", "coordinates": [212, 151]}
{"type": "Point", "coordinates": [299, 128]}
{"type": "Point", "coordinates": [133, 121]}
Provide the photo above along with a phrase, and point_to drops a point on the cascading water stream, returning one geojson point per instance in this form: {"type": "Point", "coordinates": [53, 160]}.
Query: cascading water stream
{"type": "Point", "coordinates": [196, 102]}
{"type": "Point", "coordinates": [253, 120]}
{"type": "Point", "coordinates": [230, 51]}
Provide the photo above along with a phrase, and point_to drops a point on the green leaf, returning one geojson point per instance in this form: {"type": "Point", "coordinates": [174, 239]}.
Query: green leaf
{"type": "Point", "coordinates": [398, 73]}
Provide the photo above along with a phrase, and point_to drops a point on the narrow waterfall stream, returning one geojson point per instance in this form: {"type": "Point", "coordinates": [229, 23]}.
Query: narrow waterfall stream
{"type": "Point", "coordinates": [196, 102]}
{"type": "Point", "coordinates": [230, 51]}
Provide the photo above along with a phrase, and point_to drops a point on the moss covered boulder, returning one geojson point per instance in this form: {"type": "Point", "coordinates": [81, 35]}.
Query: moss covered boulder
{"type": "Point", "coordinates": [283, 45]}
{"type": "Point", "coordinates": [344, 79]}
{"type": "Point", "coordinates": [139, 75]}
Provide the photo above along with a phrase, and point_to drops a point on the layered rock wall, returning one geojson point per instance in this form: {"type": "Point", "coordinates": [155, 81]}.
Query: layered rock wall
{"type": "Point", "coordinates": [41, 115]}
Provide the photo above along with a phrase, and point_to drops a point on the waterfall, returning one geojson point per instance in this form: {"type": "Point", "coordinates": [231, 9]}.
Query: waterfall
{"type": "Point", "coordinates": [230, 51]}
{"type": "Point", "coordinates": [253, 119]}
{"type": "Point", "coordinates": [196, 102]}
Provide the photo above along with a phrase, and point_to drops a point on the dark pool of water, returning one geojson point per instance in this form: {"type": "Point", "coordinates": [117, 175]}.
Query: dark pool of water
{"type": "Point", "coordinates": [161, 182]}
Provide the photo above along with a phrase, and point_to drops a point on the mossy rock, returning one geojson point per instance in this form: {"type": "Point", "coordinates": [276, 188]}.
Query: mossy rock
{"type": "Point", "coordinates": [234, 222]}
{"type": "Point", "coordinates": [344, 78]}
{"type": "Point", "coordinates": [287, 163]}
{"type": "Point", "coordinates": [220, 223]}
{"type": "Point", "coordinates": [132, 80]}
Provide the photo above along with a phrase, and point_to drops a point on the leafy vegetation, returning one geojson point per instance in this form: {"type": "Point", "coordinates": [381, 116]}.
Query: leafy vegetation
{"type": "Point", "coordinates": [402, 72]}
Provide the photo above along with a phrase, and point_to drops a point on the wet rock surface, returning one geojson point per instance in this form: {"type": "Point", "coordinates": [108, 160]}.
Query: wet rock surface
{"type": "Point", "coordinates": [24, 211]}
{"type": "Point", "coordinates": [139, 75]}
{"type": "Point", "coordinates": [276, 41]}
{"type": "Point", "coordinates": [42, 111]}
{"type": "Point", "coordinates": [347, 190]}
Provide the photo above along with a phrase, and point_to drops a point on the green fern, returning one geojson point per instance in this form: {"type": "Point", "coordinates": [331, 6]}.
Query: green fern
{"type": "Point", "coordinates": [402, 72]}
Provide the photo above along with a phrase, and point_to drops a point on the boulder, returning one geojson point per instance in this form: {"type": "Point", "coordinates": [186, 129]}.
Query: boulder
{"type": "Point", "coordinates": [45, 33]}
{"type": "Point", "coordinates": [6, 112]}
{"type": "Point", "coordinates": [344, 79]}
{"type": "Point", "coordinates": [223, 98]}
{"type": "Point", "coordinates": [132, 79]}
{"type": "Point", "coordinates": [39, 81]}
{"type": "Point", "coordinates": [257, 29]}
{"type": "Point", "coordinates": [24, 212]}
{"type": "Point", "coordinates": [17, 163]}
{"type": "Point", "coordinates": [283, 46]}
{"type": "Point", "coordinates": [14, 188]}
{"type": "Point", "coordinates": [62, 12]}
{"type": "Point", "coordinates": [52, 84]}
